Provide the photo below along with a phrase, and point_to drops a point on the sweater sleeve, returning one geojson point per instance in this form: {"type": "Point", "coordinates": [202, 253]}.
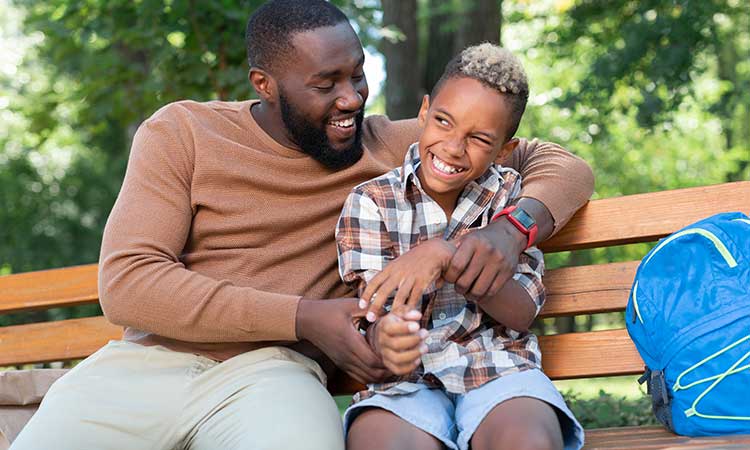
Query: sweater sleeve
{"type": "Point", "coordinates": [142, 282]}
{"type": "Point", "coordinates": [560, 180]}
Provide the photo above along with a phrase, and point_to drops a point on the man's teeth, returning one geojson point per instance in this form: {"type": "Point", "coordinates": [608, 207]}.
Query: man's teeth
{"type": "Point", "coordinates": [444, 167]}
{"type": "Point", "coordinates": [346, 123]}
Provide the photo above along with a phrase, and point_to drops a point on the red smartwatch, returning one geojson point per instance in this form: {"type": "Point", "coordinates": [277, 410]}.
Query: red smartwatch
{"type": "Point", "coordinates": [521, 220]}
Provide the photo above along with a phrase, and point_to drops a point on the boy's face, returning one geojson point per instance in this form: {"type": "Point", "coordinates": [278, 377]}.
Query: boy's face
{"type": "Point", "coordinates": [463, 131]}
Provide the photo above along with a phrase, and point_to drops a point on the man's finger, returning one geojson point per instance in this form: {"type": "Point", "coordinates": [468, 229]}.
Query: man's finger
{"type": "Point", "coordinates": [458, 263]}
{"type": "Point", "coordinates": [482, 284]}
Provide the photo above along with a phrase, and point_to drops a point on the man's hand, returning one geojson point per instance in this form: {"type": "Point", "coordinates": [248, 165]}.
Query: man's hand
{"type": "Point", "coordinates": [399, 341]}
{"type": "Point", "coordinates": [330, 326]}
{"type": "Point", "coordinates": [409, 274]}
{"type": "Point", "coordinates": [485, 260]}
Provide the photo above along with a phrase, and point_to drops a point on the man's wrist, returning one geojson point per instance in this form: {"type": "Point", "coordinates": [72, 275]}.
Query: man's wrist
{"type": "Point", "coordinates": [543, 218]}
{"type": "Point", "coordinates": [302, 318]}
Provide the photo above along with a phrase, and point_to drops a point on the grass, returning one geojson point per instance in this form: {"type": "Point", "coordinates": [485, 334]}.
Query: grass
{"type": "Point", "coordinates": [586, 389]}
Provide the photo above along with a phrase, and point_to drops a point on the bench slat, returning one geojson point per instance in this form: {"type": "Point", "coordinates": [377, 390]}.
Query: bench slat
{"type": "Point", "coordinates": [55, 341]}
{"type": "Point", "coordinates": [646, 217]}
{"type": "Point", "coordinates": [54, 288]}
{"type": "Point", "coordinates": [657, 437]}
{"type": "Point", "coordinates": [78, 338]}
{"type": "Point", "coordinates": [588, 289]}
{"type": "Point", "coordinates": [570, 291]}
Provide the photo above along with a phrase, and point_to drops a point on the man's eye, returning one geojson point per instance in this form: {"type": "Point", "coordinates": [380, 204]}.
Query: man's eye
{"type": "Point", "coordinates": [325, 87]}
{"type": "Point", "coordinates": [359, 77]}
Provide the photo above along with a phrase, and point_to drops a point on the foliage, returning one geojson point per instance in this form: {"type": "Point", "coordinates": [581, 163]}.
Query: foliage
{"type": "Point", "coordinates": [608, 410]}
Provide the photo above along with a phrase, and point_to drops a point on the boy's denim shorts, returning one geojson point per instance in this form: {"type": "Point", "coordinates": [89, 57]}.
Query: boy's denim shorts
{"type": "Point", "coordinates": [453, 418]}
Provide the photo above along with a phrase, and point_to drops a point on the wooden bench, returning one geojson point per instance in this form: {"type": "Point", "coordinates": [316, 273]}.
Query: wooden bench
{"type": "Point", "coordinates": [571, 291]}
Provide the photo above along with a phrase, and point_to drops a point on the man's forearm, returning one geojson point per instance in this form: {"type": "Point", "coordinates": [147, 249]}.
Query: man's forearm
{"type": "Point", "coordinates": [512, 306]}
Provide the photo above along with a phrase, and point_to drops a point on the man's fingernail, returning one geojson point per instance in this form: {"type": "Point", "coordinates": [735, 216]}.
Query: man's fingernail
{"type": "Point", "coordinates": [362, 304]}
{"type": "Point", "coordinates": [413, 327]}
{"type": "Point", "coordinates": [371, 316]}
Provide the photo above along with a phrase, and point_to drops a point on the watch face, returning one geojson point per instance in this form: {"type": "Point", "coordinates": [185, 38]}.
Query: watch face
{"type": "Point", "coordinates": [522, 216]}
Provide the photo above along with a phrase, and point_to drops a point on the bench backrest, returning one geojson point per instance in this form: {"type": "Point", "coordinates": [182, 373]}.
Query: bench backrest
{"type": "Point", "coordinates": [571, 291]}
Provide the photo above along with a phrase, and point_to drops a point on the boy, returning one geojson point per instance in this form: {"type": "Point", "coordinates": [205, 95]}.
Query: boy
{"type": "Point", "coordinates": [466, 374]}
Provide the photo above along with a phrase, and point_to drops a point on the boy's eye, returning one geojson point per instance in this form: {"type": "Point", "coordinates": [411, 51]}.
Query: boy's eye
{"type": "Point", "coordinates": [482, 141]}
{"type": "Point", "coordinates": [442, 121]}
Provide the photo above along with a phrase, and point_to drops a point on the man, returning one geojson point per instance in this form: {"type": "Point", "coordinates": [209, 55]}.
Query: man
{"type": "Point", "coordinates": [221, 246]}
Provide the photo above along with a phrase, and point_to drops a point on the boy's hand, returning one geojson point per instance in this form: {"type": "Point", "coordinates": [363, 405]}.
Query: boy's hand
{"type": "Point", "coordinates": [409, 274]}
{"type": "Point", "coordinates": [399, 341]}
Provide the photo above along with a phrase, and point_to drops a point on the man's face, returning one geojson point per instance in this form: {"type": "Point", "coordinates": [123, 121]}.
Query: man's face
{"type": "Point", "coordinates": [322, 95]}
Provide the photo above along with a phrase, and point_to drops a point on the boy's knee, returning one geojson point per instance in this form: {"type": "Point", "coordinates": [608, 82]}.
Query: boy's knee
{"type": "Point", "coordinates": [517, 439]}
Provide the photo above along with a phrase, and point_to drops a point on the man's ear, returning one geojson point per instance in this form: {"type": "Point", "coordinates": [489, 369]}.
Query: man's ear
{"type": "Point", "coordinates": [422, 116]}
{"type": "Point", "coordinates": [264, 84]}
{"type": "Point", "coordinates": [507, 149]}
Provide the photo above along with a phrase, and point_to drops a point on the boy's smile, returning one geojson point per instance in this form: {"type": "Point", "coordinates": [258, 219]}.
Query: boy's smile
{"type": "Point", "coordinates": [464, 131]}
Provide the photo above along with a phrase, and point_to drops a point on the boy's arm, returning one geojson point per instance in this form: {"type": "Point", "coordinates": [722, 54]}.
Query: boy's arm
{"type": "Point", "coordinates": [519, 301]}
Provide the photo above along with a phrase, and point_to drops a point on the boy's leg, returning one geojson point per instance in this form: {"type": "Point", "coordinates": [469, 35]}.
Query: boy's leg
{"type": "Point", "coordinates": [517, 411]}
{"type": "Point", "coordinates": [271, 398]}
{"type": "Point", "coordinates": [418, 420]}
{"type": "Point", "coordinates": [519, 423]}
{"type": "Point", "coordinates": [378, 429]}
{"type": "Point", "coordinates": [125, 396]}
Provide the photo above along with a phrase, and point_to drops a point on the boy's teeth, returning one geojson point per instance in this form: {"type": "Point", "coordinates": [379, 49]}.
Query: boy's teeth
{"type": "Point", "coordinates": [343, 123]}
{"type": "Point", "coordinates": [444, 167]}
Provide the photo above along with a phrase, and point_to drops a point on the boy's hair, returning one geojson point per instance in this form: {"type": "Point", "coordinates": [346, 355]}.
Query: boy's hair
{"type": "Point", "coordinates": [269, 31]}
{"type": "Point", "coordinates": [496, 68]}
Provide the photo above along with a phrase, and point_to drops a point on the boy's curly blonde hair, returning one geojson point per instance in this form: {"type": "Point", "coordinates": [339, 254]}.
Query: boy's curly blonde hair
{"type": "Point", "coordinates": [496, 68]}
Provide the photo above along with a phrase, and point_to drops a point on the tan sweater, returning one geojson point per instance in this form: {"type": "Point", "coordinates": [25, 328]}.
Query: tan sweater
{"type": "Point", "coordinates": [219, 230]}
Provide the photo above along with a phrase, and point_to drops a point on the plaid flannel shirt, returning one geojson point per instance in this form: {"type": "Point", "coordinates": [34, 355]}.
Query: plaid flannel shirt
{"type": "Point", "coordinates": [384, 218]}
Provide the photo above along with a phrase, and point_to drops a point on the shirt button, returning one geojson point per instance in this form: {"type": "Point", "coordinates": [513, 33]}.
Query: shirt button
{"type": "Point", "coordinates": [442, 316]}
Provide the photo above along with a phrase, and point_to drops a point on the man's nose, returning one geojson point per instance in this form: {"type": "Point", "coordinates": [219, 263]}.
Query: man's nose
{"type": "Point", "coordinates": [349, 98]}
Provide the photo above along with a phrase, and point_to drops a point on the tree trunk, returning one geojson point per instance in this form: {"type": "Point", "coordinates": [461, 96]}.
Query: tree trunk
{"type": "Point", "coordinates": [480, 22]}
{"type": "Point", "coordinates": [441, 42]}
{"type": "Point", "coordinates": [402, 85]}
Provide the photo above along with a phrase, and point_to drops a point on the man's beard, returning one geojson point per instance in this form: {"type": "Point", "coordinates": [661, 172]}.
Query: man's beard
{"type": "Point", "coordinates": [313, 140]}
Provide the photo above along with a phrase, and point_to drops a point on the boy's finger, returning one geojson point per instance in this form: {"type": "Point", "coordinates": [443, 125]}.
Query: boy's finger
{"type": "Point", "coordinates": [404, 343]}
{"type": "Point", "coordinates": [401, 358]}
{"type": "Point", "coordinates": [379, 298]}
{"type": "Point", "coordinates": [415, 296]}
{"type": "Point", "coordinates": [400, 328]}
{"type": "Point", "coordinates": [404, 290]}
{"type": "Point", "coordinates": [373, 285]}
{"type": "Point", "coordinates": [404, 369]}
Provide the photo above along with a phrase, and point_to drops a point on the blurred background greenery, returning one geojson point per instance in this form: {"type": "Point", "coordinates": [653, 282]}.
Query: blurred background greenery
{"type": "Point", "coordinates": [654, 94]}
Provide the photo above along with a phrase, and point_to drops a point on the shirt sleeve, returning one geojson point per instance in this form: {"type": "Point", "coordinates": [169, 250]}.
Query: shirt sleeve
{"type": "Point", "coordinates": [143, 284]}
{"type": "Point", "coordinates": [362, 240]}
{"type": "Point", "coordinates": [529, 274]}
{"type": "Point", "coordinates": [560, 180]}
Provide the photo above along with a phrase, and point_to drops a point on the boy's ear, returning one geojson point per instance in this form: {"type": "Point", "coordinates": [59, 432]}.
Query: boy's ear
{"type": "Point", "coordinates": [507, 149]}
{"type": "Point", "coordinates": [263, 83]}
{"type": "Point", "coordinates": [422, 116]}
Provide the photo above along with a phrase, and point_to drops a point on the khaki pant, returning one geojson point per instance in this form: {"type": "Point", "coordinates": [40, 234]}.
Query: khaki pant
{"type": "Point", "coordinates": [127, 396]}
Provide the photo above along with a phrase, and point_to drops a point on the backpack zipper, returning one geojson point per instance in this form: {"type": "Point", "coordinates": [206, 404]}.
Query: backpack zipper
{"type": "Point", "coordinates": [725, 253]}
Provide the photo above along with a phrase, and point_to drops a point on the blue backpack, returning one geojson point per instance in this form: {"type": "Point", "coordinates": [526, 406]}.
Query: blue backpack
{"type": "Point", "coordinates": [689, 317]}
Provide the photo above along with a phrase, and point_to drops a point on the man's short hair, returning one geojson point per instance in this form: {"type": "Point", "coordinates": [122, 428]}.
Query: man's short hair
{"type": "Point", "coordinates": [269, 32]}
{"type": "Point", "coordinates": [496, 68]}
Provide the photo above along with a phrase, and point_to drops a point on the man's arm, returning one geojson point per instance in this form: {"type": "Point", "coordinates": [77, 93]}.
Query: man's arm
{"type": "Point", "coordinates": [555, 184]}
{"type": "Point", "coordinates": [143, 284]}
